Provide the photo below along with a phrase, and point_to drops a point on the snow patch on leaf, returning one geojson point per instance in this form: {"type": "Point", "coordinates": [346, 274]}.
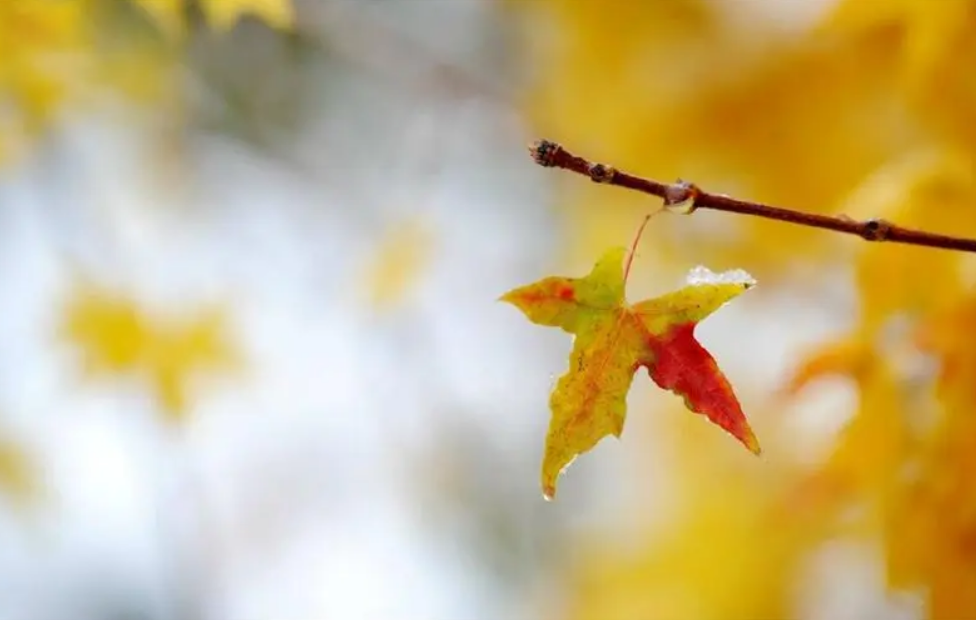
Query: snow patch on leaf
{"type": "Point", "coordinates": [703, 275]}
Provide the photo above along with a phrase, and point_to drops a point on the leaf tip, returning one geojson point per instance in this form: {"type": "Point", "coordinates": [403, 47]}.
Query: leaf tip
{"type": "Point", "coordinates": [750, 441]}
{"type": "Point", "coordinates": [515, 297]}
{"type": "Point", "coordinates": [549, 485]}
{"type": "Point", "coordinates": [554, 466]}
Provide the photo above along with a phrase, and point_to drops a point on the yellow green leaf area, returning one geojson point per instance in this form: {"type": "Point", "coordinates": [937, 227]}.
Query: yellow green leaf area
{"type": "Point", "coordinates": [612, 340]}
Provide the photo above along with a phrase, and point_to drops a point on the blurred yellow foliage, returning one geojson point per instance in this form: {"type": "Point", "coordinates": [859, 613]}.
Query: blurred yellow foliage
{"type": "Point", "coordinates": [708, 566]}
{"type": "Point", "coordinates": [55, 51]}
{"type": "Point", "coordinates": [863, 111]}
{"type": "Point", "coordinates": [116, 336]}
{"type": "Point", "coordinates": [18, 478]}
{"type": "Point", "coordinates": [930, 44]}
{"type": "Point", "coordinates": [669, 89]}
{"type": "Point", "coordinates": [729, 549]}
{"type": "Point", "coordinates": [402, 256]}
{"type": "Point", "coordinates": [221, 15]}
{"type": "Point", "coordinates": [931, 190]}
{"type": "Point", "coordinates": [932, 539]}
{"type": "Point", "coordinates": [40, 47]}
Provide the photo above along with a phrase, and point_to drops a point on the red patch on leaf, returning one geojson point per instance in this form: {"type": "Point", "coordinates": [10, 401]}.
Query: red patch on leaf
{"type": "Point", "coordinates": [684, 367]}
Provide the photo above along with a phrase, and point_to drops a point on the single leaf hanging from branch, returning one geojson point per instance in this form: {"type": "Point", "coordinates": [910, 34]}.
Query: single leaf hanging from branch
{"type": "Point", "coordinates": [613, 339]}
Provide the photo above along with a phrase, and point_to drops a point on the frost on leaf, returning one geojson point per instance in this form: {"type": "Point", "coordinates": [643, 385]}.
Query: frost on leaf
{"type": "Point", "coordinates": [612, 339]}
{"type": "Point", "coordinates": [704, 275]}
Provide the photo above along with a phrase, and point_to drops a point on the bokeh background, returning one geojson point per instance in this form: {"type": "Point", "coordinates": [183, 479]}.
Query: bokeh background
{"type": "Point", "coordinates": [253, 366]}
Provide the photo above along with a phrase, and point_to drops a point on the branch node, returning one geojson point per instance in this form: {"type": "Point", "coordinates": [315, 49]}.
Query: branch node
{"type": "Point", "coordinates": [600, 173]}
{"type": "Point", "coordinates": [544, 152]}
{"type": "Point", "coordinates": [876, 230]}
{"type": "Point", "coordinates": [681, 197]}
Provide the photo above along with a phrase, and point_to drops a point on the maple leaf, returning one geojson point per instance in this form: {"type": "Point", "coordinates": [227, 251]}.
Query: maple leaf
{"type": "Point", "coordinates": [612, 340]}
{"type": "Point", "coordinates": [116, 336]}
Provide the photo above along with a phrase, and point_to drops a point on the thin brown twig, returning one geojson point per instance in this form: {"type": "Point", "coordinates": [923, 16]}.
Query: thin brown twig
{"type": "Point", "coordinates": [691, 197]}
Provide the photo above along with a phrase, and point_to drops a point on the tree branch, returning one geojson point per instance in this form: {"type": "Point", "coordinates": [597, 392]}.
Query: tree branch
{"type": "Point", "coordinates": [689, 197]}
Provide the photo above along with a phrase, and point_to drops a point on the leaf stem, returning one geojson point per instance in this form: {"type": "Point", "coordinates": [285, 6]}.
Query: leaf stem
{"type": "Point", "coordinates": [637, 238]}
{"type": "Point", "coordinates": [552, 155]}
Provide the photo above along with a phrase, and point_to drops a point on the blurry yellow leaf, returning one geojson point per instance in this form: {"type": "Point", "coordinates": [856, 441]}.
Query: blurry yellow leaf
{"type": "Point", "coordinates": [58, 53]}
{"type": "Point", "coordinates": [146, 74]}
{"type": "Point", "coordinates": [180, 351]}
{"type": "Point", "coordinates": [873, 447]}
{"type": "Point", "coordinates": [223, 14]}
{"type": "Point", "coordinates": [403, 255]}
{"type": "Point", "coordinates": [169, 14]}
{"type": "Point", "coordinates": [17, 477]}
{"type": "Point", "coordinates": [933, 47]}
{"type": "Point", "coordinates": [950, 335]}
{"type": "Point", "coordinates": [932, 535]}
{"type": "Point", "coordinates": [111, 330]}
{"type": "Point", "coordinates": [116, 336]}
{"type": "Point", "coordinates": [845, 357]}
{"type": "Point", "coordinates": [914, 479]}
{"type": "Point", "coordinates": [42, 46]}
{"type": "Point", "coordinates": [870, 451]}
